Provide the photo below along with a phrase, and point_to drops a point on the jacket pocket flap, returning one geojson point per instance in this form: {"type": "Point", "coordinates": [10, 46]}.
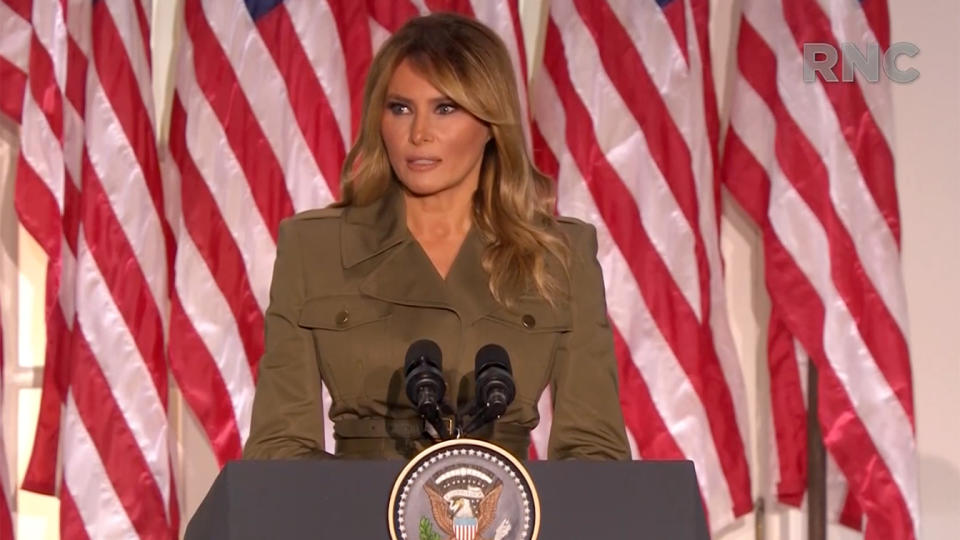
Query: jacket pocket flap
{"type": "Point", "coordinates": [341, 312]}
{"type": "Point", "coordinates": [534, 315]}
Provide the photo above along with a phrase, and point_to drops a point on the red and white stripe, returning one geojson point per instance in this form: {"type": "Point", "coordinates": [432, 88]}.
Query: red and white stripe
{"type": "Point", "coordinates": [625, 121]}
{"type": "Point", "coordinates": [242, 161]}
{"type": "Point", "coordinates": [465, 532]}
{"type": "Point", "coordinates": [89, 189]}
{"type": "Point", "coordinates": [786, 428]}
{"type": "Point", "coordinates": [15, 35]}
{"type": "Point", "coordinates": [280, 152]}
{"type": "Point", "coordinates": [812, 164]}
{"type": "Point", "coordinates": [47, 198]}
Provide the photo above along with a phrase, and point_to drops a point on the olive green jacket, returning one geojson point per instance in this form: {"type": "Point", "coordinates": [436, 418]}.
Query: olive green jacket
{"type": "Point", "coordinates": [352, 290]}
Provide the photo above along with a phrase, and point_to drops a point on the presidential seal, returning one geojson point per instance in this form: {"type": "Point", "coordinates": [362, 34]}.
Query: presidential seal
{"type": "Point", "coordinates": [464, 489]}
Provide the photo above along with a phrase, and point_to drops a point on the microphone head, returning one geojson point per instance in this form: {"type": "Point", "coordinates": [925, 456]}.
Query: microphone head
{"type": "Point", "coordinates": [423, 374]}
{"type": "Point", "coordinates": [492, 355]}
{"type": "Point", "coordinates": [422, 350]}
{"type": "Point", "coordinates": [495, 386]}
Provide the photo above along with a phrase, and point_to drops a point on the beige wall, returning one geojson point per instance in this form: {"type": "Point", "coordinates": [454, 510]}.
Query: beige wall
{"type": "Point", "coordinates": [927, 146]}
{"type": "Point", "coordinates": [927, 115]}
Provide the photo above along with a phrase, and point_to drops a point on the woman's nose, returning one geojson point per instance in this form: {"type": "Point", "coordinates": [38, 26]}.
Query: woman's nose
{"type": "Point", "coordinates": [420, 130]}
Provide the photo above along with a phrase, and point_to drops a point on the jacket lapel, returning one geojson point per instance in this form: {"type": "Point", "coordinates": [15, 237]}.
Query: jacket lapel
{"type": "Point", "coordinates": [468, 284]}
{"type": "Point", "coordinates": [368, 231]}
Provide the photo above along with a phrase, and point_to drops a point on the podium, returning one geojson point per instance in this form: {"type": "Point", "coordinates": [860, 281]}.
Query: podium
{"type": "Point", "coordinates": [337, 499]}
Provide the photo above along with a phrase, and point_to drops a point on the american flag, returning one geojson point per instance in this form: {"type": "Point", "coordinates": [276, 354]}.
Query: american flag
{"type": "Point", "coordinates": [14, 55]}
{"type": "Point", "coordinates": [812, 165]}
{"type": "Point", "coordinates": [89, 190]}
{"type": "Point", "coordinates": [46, 194]}
{"type": "Point", "coordinates": [626, 120]}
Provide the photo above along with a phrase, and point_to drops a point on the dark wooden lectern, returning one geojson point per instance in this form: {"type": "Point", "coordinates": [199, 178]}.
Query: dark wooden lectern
{"type": "Point", "coordinates": [340, 500]}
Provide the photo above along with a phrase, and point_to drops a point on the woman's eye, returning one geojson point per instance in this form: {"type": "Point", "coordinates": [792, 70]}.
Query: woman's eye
{"type": "Point", "coordinates": [398, 108]}
{"type": "Point", "coordinates": [446, 108]}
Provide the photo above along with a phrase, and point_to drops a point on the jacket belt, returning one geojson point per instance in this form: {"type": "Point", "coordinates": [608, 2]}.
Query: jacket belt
{"type": "Point", "coordinates": [379, 428]}
{"type": "Point", "coordinates": [513, 437]}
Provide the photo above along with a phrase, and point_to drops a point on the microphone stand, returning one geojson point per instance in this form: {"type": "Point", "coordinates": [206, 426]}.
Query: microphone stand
{"type": "Point", "coordinates": [430, 412]}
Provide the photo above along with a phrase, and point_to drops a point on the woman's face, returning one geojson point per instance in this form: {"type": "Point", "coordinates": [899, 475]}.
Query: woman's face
{"type": "Point", "coordinates": [433, 144]}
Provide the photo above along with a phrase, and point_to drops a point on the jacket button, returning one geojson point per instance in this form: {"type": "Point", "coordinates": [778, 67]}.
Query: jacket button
{"type": "Point", "coordinates": [343, 316]}
{"type": "Point", "coordinates": [528, 321]}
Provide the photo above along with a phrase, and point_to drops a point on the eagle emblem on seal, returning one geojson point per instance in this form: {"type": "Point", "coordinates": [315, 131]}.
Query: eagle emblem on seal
{"type": "Point", "coordinates": [464, 489]}
{"type": "Point", "coordinates": [463, 501]}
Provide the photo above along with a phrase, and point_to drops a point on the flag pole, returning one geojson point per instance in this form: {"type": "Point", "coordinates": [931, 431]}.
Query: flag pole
{"type": "Point", "coordinates": [759, 520]}
{"type": "Point", "coordinates": [816, 463]}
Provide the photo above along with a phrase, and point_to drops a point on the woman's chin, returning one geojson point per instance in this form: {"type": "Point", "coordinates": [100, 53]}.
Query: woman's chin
{"type": "Point", "coordinates": [424, 189]}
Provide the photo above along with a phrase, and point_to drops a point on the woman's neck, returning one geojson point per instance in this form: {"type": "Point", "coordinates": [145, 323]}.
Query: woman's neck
{"type": "Point", "coordinates": [448, 214]}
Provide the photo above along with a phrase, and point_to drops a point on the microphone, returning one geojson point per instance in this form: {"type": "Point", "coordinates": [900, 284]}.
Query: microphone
{"type": "Point", "coordinates": [495, 386]}
{"type": "Point", "coordinates": [424, 382]}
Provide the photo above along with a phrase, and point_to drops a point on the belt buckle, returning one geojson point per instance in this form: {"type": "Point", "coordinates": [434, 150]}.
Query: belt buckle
{"type": "Point", "coordinates": [452, 428]}
{"type": "Point", "coordinates": [449, 424]}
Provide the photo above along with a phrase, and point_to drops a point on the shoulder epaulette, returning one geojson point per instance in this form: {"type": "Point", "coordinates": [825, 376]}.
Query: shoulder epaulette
{"type": "Point", "coordinates": [571, 220]}
{"type": "Point", "coordinates": [318, 213]}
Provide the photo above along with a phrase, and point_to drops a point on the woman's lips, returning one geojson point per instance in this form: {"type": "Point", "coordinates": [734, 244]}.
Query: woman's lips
{"type": "Point", "coordinates": [422, 164]}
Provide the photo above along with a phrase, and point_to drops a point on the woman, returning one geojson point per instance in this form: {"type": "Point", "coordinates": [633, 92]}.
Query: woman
{"type": "Point", "coordinates": [445, 232]}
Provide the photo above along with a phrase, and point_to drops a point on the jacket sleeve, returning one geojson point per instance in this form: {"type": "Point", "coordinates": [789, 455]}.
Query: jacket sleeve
{"type": "Point", "coordinates": [587, 420]}
{"type": "Point", "coordinates": [287, 410]}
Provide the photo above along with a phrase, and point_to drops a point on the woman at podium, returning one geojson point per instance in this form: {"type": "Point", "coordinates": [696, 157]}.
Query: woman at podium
{"type": "Point", "coordinates": [445, 231]}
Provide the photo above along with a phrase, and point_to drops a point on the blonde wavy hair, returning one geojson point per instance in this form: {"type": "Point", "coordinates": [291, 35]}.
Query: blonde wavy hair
{"type": "Point", "coordinates": [513, 205]}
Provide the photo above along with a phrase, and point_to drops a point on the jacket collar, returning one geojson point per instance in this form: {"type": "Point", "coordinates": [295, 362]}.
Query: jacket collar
{"type": "Point", "coordinates": [372, 229]}
{"type": "Point", "coordinates": [403, 273]}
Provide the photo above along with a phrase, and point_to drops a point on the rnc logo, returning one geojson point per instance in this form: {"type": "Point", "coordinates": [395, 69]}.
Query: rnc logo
{"type": "Point", "coordinates": [820, 58]}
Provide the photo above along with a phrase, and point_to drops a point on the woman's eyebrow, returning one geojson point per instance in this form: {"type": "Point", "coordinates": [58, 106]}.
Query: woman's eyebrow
{"type": "Point", "coordinates": [435, 100]}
